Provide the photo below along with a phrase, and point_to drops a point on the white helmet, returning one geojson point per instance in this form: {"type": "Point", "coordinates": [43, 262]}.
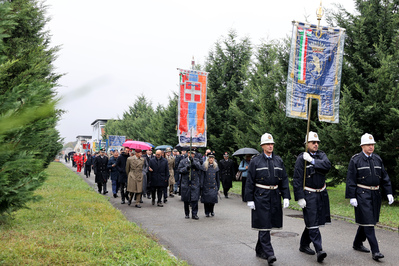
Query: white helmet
{"type": "Point", "coordinates": [266, 138]}
{"type": "Point", "coordinates": [367, 139]}
{"type": "Point", "coordinates": [312, 137]}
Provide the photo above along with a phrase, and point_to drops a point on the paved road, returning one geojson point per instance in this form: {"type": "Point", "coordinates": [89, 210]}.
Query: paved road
{"type": "Point", "coordinates": [227, 239]}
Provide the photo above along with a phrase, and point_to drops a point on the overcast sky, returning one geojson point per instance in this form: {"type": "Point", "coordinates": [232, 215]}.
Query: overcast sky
{"type": "Point", "coordinates": [113, 51]}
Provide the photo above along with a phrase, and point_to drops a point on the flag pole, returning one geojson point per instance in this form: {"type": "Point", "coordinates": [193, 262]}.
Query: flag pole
{"type": "Point", "coordinates": [319, 14]}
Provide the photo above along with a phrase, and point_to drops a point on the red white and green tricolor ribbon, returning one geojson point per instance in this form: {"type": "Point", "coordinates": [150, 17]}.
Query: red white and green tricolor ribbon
{"type": "Point", "coordinates": [303, 47]}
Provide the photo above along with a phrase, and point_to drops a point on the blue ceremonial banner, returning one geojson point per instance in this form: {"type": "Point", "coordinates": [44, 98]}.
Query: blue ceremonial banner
{"type": "Point", "coordinates": [116, 140]}
{"type": "Point", "coordinates": [314, 71]}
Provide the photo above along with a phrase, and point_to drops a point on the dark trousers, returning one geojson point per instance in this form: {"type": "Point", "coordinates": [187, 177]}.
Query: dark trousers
{"type": "Point", "coordinates": [209, 207]}
{"type": "Point", "coordinates": [165, 192]}
{"type": "Point", "coordinates": [159, 191]}
{"type": "Point", "coordinates": [194, 208]}
{"type": "Point", "coordinates": [264, 246]}
{"type": "Point", "coordinates": [243, 182]}
{"type": "Point", "coordinates": [115, 186]}
{"type": "Point", "coordinates": [102, 187]}
{"type": "Point", "coordinates": [87, 170]}
{"type": "Point", "coordinates": [368, 232]}
{"type": "Point", "coordinates": [311, 236]}
{"type": "Point", "coordinates": [123, 187]}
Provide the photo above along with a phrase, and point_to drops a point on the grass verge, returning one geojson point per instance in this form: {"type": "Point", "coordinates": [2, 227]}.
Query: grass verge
{"type": "Point", "coordinates": [389, 215]}
{"type": "Point", "coordinates": [75, 225]}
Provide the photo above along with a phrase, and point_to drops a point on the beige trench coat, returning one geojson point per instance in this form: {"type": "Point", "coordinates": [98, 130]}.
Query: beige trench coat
{"type": "Point", "coordinates": [171, 164]}
{"type": "Point", "coordinates": [134, 170]}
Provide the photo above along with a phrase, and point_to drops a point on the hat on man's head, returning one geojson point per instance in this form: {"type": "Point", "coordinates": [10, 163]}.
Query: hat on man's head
{"type": "Point", "coordinates": [192, 151]}
{"type": "Point", "coordinates": [175, 150]}
{"type": "Point", "coordinates": [102, 150]}
{"type": "Point", "coordinates": [225, 154]}
{"type": "Point", "coordinates": [211, 154]}
{"type": "Point", "coordinates": [138, 150]}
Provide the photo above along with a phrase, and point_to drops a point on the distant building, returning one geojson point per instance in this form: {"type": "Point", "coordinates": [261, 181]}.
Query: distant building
{"type": "Point", "coordinates": [98, 132]}
{"type": "Point", "coordinates": [82, 143]}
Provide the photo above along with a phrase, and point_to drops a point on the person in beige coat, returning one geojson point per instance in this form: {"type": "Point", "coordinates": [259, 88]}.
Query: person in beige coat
{"type": "Point", "coordinates": [171, 164]}
{"type": "Point", "coordinates": [135, 169]}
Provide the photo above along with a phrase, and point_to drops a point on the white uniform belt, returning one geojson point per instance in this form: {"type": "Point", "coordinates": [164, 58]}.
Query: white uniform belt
{"type": "Point", "coordinates": [267, 187]}
{"type": "Point", "coordinates": [315, 190]}
{"type": "Point", "coordinates": [369, 187]}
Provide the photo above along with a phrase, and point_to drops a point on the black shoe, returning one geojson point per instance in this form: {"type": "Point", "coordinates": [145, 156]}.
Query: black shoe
{"type": "Point", "coordinates": [361, 249]}
{"type": "Point", "coordinates": [129, 202]}
{"type": "Point", "coordinates": [165, 200]}
{"type": "Point", "coordinates": [261, 255]}
{"type": "Point", "coordinates": [141, 201]}
{"type": "Point", "coordinates": [195, 217]}
{"type": "Point", "coordinates": [137, 206]}
{"type": "Point", "coordinates": [271, 259]}
{"type": "Point", "coordinates": [171, 195]}
{"type": "Point", "coordinates": [307, 250]}
{"type": "Point", "coordinates": [148, 197]}
{"type": "Point", "coordinates": [160, 204]}
{"type": "Point", "coordinates": [115, 195]}
{"type": "Point", "coordinates": [207, 214]}
{"type": "Point", "coordinates": [377, 256]}
{"type": "Point", "coordinates": [123, 202]}
{"type": "Point", "coordinates": [321, 255]}
{"type": "Point", "coordinates": [153, 201]}
{"type": "Point", "coordinates": [226, 196]}
{"type": "Point", "coordinates": [187, 217]}
{"type": "Point", "coordinates": [212, 214]}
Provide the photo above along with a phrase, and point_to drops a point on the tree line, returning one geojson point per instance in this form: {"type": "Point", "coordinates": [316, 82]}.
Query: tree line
{"type": "Point", "coordinates": [247, 95]}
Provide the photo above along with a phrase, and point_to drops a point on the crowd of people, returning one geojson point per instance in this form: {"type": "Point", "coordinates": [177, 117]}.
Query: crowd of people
{"type": "Point", "coordinates": [196, 177]}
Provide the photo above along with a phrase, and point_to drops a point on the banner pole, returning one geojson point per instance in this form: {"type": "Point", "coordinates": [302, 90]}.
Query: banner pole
{"type": "Point", "coordinates": [306, 142]}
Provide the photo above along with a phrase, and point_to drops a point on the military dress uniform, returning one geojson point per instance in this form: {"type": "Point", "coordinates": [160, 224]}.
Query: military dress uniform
{"type": "Point", "coordinates": [267, 183]}
{"type": "Point", "coordinates": [366, 175]}
{"type": "Point", "coordinates": [101, 173]}
{"type": "Point", "coordinates": [317, 210]}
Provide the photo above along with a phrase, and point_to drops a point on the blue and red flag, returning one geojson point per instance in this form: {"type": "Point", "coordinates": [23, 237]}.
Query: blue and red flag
{"type": "Point", "coordinates": [192, 108]}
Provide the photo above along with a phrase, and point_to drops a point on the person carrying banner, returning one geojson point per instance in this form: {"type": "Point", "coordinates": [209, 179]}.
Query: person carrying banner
{"type": "Point", "coordinates": [366, 173]}
{"type": "Point", "coordinates": [312, 196]}
{"type": "Point", "coordinates": [267, 181]}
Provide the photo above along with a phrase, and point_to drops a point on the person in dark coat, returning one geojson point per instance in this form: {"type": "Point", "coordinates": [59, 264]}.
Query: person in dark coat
{"type": "Point", "coordinates": [190, 182]}
{"type": "Point", "coordinates": [176, 170]}
{"type": "Point", "coordinates": [148, 156]}
{"type": "Point", "coordinates": [101, 171]}
{"type": "Point", "coordinates": [159, 176]}
{"type": "Point", "coordinates": [366, 175]}
{"type": "Point", "coordinates": [210, 184]}
{"type": "Point", "coordinates": [88, 164]}
{"type": "Point", "coordinates": [122, 178]}
{"type": "Point", "coordinates": [227, 172]}
{"type": "Point", "coordinates": [114, 172]}
{"type": "Point", "coordinates": [267, 183]}
{"type": "Point", "coordinates": [313, 197]}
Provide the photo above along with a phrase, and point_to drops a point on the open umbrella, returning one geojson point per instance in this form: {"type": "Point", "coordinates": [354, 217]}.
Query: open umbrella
{"type": "Point", "coordinates": [152, 146]}
{"type": "Point", "coordinates": [163, 147]}
{"type": "Point", "coordinates": [245, 151]}
{"type": "Point", "coordinates": [134, 144]}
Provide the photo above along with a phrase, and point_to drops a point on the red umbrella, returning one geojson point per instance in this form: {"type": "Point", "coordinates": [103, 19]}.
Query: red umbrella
{"type": "Point", "coordinates": [134, 144]}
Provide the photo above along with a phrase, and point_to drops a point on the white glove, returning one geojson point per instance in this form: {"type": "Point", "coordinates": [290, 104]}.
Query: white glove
{"type": "Point", "coordinates": [251, 204]}
{"type": "Point", "coordinates": [302, 203]}
{"type": "Point", "coordinates": [353, 202]}
{"type": "Point", "coordinates": [286, 203]}
{"type": "Point", "coordinates": [390, 199]}
{"type": "Point", "coordinates": [307, 157]}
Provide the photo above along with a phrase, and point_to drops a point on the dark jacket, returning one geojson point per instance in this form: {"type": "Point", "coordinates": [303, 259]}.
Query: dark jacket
{"type": "Point", "coordinates": [210, 185]}
{"type": "Point", "coordinates": [317, 211]}
{"type": "Point", "coordinates": [113, 170]}
{"type": "Point", "coordinates": [121, 167]}
{"type": "Point", "coordinates": [190, 188]}
{"type": "Point", "coordinates": [268, 211]}
{"type": "Point", "coordinates": [368, 172]}
{"type": "Point", "coordinates": [159, 176]}
{"type": "Point", "coordinates": [89, 160]}
{"type": "Point", "coordinates": [227, 172]}
{"type": "Point", "coordinates": [100, 169]}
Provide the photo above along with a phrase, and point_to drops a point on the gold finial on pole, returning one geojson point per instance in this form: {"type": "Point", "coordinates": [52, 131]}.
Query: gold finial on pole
{"type": "Point", "coordinates": [319, 14]}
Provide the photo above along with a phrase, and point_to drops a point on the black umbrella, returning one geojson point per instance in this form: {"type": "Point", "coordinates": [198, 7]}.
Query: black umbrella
{"type": "Point", "coordinates": [245, 151]}
{"type": "Point", "coordinates": [70, 153]}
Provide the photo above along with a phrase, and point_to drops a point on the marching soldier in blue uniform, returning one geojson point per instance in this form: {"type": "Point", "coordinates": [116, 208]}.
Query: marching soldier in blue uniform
{"type": "Point", "coordinates": [267, 183]}
{"type": "Point", "coordinates": [312, 197]}
{"type": "Point", "coordinates": [366, 174]}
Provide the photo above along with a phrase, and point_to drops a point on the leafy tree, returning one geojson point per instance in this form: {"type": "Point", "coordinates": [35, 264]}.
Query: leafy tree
{"type": "Point", "coordinates": [228, 65]}
{"type": "Point", "coordinates": [370, 79]}
{"type": "Point", "coordinates": [28, 138]}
